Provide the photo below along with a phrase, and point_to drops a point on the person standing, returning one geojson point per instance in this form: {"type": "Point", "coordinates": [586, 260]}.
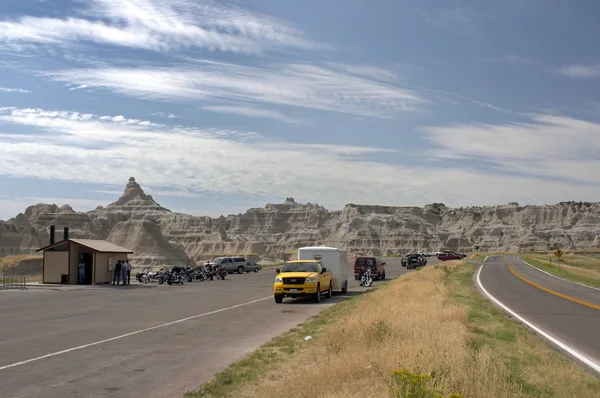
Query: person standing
{"type": "Point", "coordinates": [128, 268]}
{"type": "Point", "coordinates": [81, 267]}
{"type": "Point", "coordinates": [117, 275]}
{"type": "Point", "coordinates": [124, 271]}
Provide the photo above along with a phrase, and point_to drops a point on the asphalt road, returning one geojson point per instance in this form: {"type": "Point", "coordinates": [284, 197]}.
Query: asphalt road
{"type": "Point", "coordinates": [113, 342]}
{"type": "Point", "coordinates": [572, 323]}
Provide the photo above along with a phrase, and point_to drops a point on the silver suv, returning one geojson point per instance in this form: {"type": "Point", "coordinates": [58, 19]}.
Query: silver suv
{"type": "Point", "coordinates": [232, 264]}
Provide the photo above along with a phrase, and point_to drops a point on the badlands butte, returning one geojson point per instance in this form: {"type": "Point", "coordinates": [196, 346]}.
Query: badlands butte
{"type": "Point", "coordinates": [160, 236]}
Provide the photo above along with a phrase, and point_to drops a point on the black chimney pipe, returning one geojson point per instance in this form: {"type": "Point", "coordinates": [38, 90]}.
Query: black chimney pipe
{"type": "Point", "coordinates": [66, 235]}
{"type": "Point", "coordinates": [51, 234]}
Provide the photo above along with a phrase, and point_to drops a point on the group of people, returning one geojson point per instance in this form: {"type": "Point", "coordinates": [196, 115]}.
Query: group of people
{"type": "Point", "coordinates": [122, 269]}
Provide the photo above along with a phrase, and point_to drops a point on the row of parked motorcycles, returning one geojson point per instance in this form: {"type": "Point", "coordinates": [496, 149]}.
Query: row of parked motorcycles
{"type": "Point", "coordinates": [177, 275]}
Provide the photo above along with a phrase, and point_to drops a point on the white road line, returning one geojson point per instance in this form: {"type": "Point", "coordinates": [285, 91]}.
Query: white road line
{"type": "Point", "coordinates": [12, 365]}
{"type": "Point", "coordinates": [558, 277]}
{"type": "Point", "coordinates": [589, 362]}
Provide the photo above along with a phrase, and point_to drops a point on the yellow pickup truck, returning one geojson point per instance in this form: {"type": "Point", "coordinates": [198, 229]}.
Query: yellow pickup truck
{"type": "Point", "coordinates": [303, 278]}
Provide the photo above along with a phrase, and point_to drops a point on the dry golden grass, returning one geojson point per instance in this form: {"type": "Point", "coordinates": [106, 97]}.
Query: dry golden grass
{"type": "Point", "coordinates": [432, 320]}
{"type": "Point", "coordinates": [11, 261]}
{"type": "Point", "coordinates": [576, 267]}
{"type": "Point", "coordinates": [409, 324]}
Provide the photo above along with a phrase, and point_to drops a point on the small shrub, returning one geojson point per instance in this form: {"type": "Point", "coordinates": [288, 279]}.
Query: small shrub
{"type": "Point", "coordinates": [378, 331]}
{"type": "Point", "coordinates": [407, 384]}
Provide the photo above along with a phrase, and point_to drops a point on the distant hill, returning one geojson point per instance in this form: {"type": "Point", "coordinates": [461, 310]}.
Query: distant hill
{"type": "Point", "coordinates": [159, 236]}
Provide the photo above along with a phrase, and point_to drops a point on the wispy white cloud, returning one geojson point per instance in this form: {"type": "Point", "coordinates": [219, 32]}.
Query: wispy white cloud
{"type": "Point", "coordinates": [457, 17]}
{"type": "Point", "coordinates": [14, 90]}
{"type": "Point", "coordinates": [107, 192]}
{"type": "Point", "coordinates": [11, 206]}
{"type": "Point", "coordinates": [445, 95]}
{"type": "Point", "coordinates": [550, 146]}
{"type": "Point", "coordinates": [370, 71]}
{"type": "Point", "coordinates": [167, 115]}
{"type": "Point", "coordinates": [250, 111]}
{"type": "Point", "coordinates": [158, 25]}
{"type": "Point", "coordinates": [80, 87]}
{"type": "Point", "coordinates": [184, 161]}
{"type": "Point", "coordinates": [513, 59]}
{"type": "Point", "coordinates": [580, 71]}
{"type": "Point", "coordinates": [300, 85]}
{"type": "Point", "coordinates": [157, 193]}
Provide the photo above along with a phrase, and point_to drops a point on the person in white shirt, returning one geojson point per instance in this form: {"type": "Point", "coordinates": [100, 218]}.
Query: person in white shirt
{"type": "Point", "coordinates": [127, 272]}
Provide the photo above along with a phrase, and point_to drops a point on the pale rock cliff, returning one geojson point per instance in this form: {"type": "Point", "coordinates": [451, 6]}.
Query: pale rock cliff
{"type": "Point", "coordinates": [159, 236]}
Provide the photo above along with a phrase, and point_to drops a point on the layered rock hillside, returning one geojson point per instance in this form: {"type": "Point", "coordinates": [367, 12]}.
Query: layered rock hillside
{"type": "Point", "coordinates": [159, 236]}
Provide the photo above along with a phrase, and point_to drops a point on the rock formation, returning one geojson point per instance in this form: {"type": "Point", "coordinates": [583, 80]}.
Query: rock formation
{"type": "Point", "coordinates": [159, 236]}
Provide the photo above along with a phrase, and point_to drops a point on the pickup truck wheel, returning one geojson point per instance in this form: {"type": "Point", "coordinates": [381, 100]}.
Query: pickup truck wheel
{"type": "Point", "coordinates": [278, 298]}
{"type": "Point", "coordinates": [383, 275]}
{"type": "Point", "coordinates": [318, 294]}
{"type": "Point", "coordinates": [240, 270]}
{"type": "Point", "coordinates": [330, 291]}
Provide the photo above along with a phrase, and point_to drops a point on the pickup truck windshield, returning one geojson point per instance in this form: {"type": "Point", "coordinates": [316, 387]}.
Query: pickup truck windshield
{"type": "Point", "coordinates": [300, 267]}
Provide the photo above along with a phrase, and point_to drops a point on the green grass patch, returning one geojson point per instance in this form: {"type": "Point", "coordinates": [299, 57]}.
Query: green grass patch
{"type": "Point", "coordinates": [555, 269]}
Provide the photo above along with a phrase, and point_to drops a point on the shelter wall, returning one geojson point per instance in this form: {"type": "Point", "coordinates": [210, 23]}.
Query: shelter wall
{"type": "Point", "coordinates": [103, 273]}
{"type": "Point", "coordinates": [55, 264]}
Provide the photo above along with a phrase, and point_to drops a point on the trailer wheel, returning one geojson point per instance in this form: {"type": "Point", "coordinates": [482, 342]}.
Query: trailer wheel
{"type": "Point", "coordinates": [345, 288]}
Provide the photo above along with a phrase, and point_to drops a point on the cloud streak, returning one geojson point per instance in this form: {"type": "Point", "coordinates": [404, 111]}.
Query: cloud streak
{"type": "Point", "coordinates": [580, 71]}
{"type": "Point", "coordinates": [548, 146]}
{"type": "Point", "coordinates": [156, 25]}
{"type": "Point", "coordinates": [14, 90]}
{"type": "Point", "coordinates": [185, 162]}
{"type": "Point", "coordinates": [298, 85]}
{"type": "Point", "coordinates": [250, 111]}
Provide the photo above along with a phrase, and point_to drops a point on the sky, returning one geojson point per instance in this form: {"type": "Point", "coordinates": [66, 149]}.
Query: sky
{"type": "Point", "coordinates": [218, 106]}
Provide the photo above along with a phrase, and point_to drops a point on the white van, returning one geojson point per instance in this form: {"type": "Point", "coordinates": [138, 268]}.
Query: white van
{"type": "Point", "coordinates": [334, 259]}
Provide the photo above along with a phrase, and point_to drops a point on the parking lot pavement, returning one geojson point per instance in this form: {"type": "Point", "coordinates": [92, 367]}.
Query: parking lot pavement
{"type": "Point", "coordinates": [141, 341]}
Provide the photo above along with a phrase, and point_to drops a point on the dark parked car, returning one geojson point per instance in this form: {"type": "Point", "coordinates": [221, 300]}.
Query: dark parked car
{"type": "Point", "coordinates": [377, 266]}
{"type": "Point", "coordinates": [450, 256]}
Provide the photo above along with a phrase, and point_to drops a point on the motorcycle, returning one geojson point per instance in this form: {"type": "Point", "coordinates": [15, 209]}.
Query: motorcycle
{"type": "Point", "coordinates": [162, 275]}
{"type": "Point", "coordinates": [185, 273]}
{"type": "Point", "coordinates": [146, 276]}
{"type": "Point", "coordinates": [364, 278]}
{"type": "Point", "coordinates": [215, 271]}
{"type": "Point", "coordinates": [142, 277]}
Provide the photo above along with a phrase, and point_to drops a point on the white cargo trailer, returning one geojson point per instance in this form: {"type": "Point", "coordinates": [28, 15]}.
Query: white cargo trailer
{"type": "Point", "coordinates": [334, 259]}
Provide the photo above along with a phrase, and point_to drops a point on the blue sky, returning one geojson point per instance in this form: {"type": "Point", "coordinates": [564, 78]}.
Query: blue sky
{"type": "Point", "coordinates": [215, 107]}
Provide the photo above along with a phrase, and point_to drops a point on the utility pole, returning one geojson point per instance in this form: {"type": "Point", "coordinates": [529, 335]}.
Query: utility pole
{"type": "Point", "coordinates": [380, 236]}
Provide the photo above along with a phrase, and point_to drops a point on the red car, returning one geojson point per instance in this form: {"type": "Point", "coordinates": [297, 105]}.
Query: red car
{"type": "Point", "coordinates": [449, 256]}
{"type": "Point", "coordinates": [377, 266]}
